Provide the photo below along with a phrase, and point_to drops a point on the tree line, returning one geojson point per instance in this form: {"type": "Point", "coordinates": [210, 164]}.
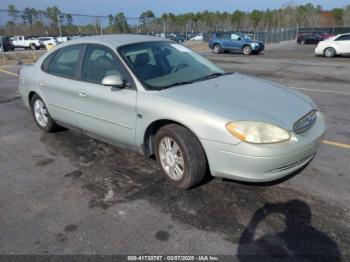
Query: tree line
{"type": "Point", "coordinates": [50, 21]}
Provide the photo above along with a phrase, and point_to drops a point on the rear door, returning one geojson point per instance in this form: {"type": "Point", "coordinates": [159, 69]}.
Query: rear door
{"type": "Point", "coordinates": [225, 40]}
{"type": "Point", "coordinates": [59, 84]}
{"type": "Point", "coordinates": [104, 110]}
{"type": "Point", "coordinates": [236, 42]}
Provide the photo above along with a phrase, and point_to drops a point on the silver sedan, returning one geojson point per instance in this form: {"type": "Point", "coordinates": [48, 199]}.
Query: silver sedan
{"type": "Point", "coordinates": [157, 97]}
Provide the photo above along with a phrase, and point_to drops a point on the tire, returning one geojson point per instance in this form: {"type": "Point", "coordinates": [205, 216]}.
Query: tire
{"type": "Point", "coordinates": [247, 50]}
{"type": "Point", "coordinates": [41, 115]}
{"type": "Point", "coordinates": [329, 52]}
{"type": "Point", "coordinates": [303, 42]}
{"type": "Point", "coordinates": [190, 157]}
{"type": "Point", "coordinates": [217, 49]}
{"type": "Point", "coordinates": [32, 46]}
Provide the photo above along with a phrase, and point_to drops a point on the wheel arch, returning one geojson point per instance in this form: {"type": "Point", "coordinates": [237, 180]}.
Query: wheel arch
{"type": "Point", "coordinates": [152, 129]}
{"type": "Point", "coordinates": [30, 96]}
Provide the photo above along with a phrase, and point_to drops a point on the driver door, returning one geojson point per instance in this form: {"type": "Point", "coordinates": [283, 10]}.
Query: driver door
{"type": "Point", "coordinates": [104, 110]}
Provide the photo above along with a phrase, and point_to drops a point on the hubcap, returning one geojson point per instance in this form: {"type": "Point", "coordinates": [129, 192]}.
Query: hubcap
{"type": "Point", "coordinates": [329, 52]}
{"type": "Point", "coordinates": [216, 49]}
{"type": "Point", "coordinates": [40, 113]}
{"type": "Point", "coordinates": [171, 158]}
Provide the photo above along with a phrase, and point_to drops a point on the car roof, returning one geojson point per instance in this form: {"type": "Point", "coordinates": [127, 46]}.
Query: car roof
{"type": "Point", "coordinates": [116, 39]}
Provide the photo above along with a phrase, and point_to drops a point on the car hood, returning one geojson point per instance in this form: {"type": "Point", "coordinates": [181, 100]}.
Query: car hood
{"type": "Point", "coordinates": [239, 97]}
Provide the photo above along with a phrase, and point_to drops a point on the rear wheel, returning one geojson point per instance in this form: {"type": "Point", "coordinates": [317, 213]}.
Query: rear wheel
{"type": "Point", "coordinates": [247, 50]}
{"type": "Point", "coordinates": [329, 52]}
{"type": "Point", "coordinates": [303, 42]}
{"type": "Point", "coordinates": [180, 156]}
{"type": "Point", "coordinates": [217, 49]}
{"type": "Point", "coordinates": [32, 46]}
{"type": "Point", "coordinates": [41, 115]}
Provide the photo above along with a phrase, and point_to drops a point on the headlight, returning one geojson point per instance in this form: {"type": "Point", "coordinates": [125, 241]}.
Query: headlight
{"type": "Point", "coordinates": [254, 44]}
{"type": "Point", "coordinates": [257, 132]}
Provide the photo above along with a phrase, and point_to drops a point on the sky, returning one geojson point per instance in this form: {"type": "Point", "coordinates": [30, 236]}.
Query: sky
{"type": "Point", "coordinates": [133, 8]}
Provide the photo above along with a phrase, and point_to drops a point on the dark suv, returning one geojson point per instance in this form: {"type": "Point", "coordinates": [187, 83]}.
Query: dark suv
{"type": "Point", "coordinates": [220, 42]}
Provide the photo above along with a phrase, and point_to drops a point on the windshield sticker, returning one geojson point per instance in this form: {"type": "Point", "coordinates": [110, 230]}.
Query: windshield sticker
{"type": "Point", "coordinates": [181, 48]}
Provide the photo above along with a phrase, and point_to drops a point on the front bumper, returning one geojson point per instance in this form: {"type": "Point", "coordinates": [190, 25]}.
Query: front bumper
{"type": "Point", "coordinates": [318, 51]}
{"type": "Point", "coordinates": [263, 163]}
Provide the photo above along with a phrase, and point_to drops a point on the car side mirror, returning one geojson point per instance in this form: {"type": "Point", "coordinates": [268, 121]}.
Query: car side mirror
{"type": "Point", "coordinates": [113, 80]}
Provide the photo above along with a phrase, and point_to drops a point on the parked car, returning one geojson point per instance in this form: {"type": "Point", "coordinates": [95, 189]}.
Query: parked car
{"type": "Point", "coordinates": [62, 39]}
{"type": "Point", "coordinates": [197, 38]}
{"type": "Point", "coordinates": [47, 40]}
{"type": "Point", "coordinates": [337, 45]}
{"type": "Point", "coordinates": [238, 42]}
{"type": "Point", "coordinates": [25, 42]}
{"type": "Point", "coordinates": [5, 44]}
{"type": "Point", "coordinates": [312, 39]}
{"type": "Point", "coordinates": [160, 98]}
{"type": "Point", "coordinates": [320, 35]}
{"type": "Point", "coordinates": [180, 38]}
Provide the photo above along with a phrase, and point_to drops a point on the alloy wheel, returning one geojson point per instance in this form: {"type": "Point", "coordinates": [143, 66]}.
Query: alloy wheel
{"type": "Point", "coordinates": [40, 113]}
{"type": "Point", "coordinates": [171, 158]}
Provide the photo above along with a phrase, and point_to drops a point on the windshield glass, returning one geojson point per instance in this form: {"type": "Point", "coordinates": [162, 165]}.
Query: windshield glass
{"type": "Point", "coordinates": [247, 37]}
{"type": "Point", "coordinates": [164, 64]}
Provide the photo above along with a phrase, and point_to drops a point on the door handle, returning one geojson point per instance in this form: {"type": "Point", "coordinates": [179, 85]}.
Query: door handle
{"type": "Point", "coordinates": [43, 84]}
{"type": "Point", "coordinates": [82, 94]}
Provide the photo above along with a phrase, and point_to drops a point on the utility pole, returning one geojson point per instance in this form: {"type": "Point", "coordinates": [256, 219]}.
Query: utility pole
{"type": "Point", "coordinates": [99, 21]}
{"type": "Point", "coordinates": [164, 28]}
{"type": "Point", "coordinates": [59, 24]}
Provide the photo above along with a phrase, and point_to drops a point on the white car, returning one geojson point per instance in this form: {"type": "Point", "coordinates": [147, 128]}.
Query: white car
{"type": "Point", "coordinates": [197, 38]}
{"type": "Point", "coordinates": [336, 45]}
{"type": "Point", "coordinates": [47, 40]}
{"type": "Point", "coordinates": [62, 39]}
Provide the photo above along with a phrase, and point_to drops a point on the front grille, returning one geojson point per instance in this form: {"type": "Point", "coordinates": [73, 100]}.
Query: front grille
{"type": "Point", "coordinates": [305, 123]}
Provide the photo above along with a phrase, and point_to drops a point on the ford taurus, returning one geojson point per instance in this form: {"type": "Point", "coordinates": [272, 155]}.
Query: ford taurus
{"type": "Point", "coordinates": [161, 99]}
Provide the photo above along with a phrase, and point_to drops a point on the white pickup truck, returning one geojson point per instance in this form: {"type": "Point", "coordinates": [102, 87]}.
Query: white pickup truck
{"type": "Point", "coordinates": [25, 42]}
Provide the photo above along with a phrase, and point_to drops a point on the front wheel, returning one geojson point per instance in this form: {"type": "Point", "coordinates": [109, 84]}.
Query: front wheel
{"type": "Point", "coordinates": [32, 46]}
{"type": "Point", "coordinates": [180, 156]}
{"type": "Point", "coordinates": [41, 115]}
{"type": "Point", "coordinates": [247, 50]}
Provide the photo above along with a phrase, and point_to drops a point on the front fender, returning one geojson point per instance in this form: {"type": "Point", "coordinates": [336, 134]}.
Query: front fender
{"type": "Point", "coordinates": [204, 124]}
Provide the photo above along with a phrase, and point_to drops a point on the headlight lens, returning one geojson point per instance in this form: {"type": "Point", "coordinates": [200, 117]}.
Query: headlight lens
{"type": "Point", "coordinates": [257, 132]}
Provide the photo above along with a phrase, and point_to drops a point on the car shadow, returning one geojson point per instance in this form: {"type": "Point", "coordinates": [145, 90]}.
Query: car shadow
{"type": "Point", "coordinates": [299, 241]}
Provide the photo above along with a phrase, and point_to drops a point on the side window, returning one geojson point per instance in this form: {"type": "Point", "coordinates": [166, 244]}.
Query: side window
{"type": "Point", "coordinates": [46, 63]}
{"type": "Point", "coordinates": [98, 63]}
{"type": "Point", "coordinates": [65, 61]}
{"type": "Point", "coordinates": [235, 37]}
{"type": "Point", "coordinates": [343, 38]}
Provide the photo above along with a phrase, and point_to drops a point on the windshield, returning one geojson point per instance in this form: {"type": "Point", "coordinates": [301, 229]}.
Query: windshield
{"type": "Point", "coordinates": [164, 64]}
{"type": "Point", "coordinates": [246, 37]}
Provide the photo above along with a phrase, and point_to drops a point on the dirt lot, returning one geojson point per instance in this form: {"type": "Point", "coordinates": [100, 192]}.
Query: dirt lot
{"type": "Point", "coordinates": [65, 193]}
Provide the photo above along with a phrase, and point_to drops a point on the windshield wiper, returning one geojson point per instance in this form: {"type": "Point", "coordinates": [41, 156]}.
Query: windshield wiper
{"type": "Point", "coordinates": [214, 75]}
{"type": "Point", "coordinates": [210, 76]}
{"type": "Point", "coordinates": [179, 84]}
